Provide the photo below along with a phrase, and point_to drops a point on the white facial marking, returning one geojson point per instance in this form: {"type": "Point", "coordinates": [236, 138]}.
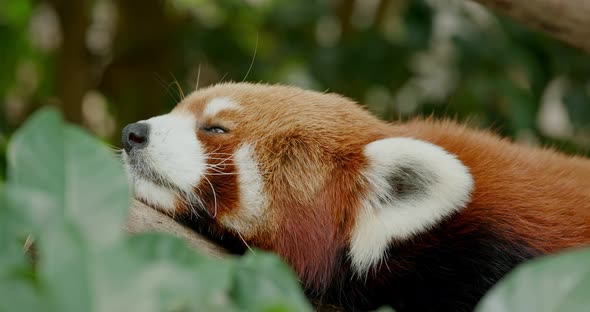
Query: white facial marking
{"type": "Point", "coordinates": [175, 151]}
{"type": "Point", "coordinates": [173, 158]}
{"type": "Point", "coordinates": [154, 195]}
{"type": "Point", "coordinates": [217, 105]}
{"type": "Point", "coordinates": [252, 199]}
{"type": "Point", "coordinates": [442, 186]}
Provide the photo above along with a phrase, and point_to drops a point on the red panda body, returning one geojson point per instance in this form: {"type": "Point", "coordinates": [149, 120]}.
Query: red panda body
{"type": "Point", "coordinates": [422, 216]}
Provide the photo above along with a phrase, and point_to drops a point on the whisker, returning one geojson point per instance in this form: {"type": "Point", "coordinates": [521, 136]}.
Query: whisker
{"type": "Point", "coordinates": [216, 169]}
{"type": "Point", "coordinates": [253, 58]}
{"type": "Point", "coordinates": [177, 85]}
{"type": "Point", "coordinates": [223, 162]}
{"type": "Point", "coordinates": [198, 76]}
{"type": "Point", "coordinates": [186, 198]}
{"type": "Point", "coordinates": [218, 153]}
{"type": "Point", "coordinates": [244, 241]}
{"type": "Point", "coordinates": [166, 85]}
{"type": "Point", "coordinates": [214, 197]}
{"type": "Point", "coordinates": [215, 150]}
{"type": "Point", "coordinates": [223, 77]}
{"type": "Point", "coordinates": [166, 136]}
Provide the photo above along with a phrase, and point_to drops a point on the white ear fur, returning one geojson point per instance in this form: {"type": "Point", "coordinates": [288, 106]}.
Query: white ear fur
{"type": "Point", "coordinates": [413, 185]}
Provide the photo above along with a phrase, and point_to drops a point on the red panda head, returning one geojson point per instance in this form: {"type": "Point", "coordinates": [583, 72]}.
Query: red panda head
{"type": "Point", "coordinates": [311, 176]}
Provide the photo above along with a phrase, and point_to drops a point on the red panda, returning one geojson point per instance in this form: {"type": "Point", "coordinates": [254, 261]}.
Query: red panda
{"type": "Point", "coordinates": [421, 216]}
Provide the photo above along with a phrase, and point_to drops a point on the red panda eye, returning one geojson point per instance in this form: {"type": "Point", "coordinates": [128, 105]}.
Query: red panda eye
{"type": "Point", "coordinates": [214, 129]}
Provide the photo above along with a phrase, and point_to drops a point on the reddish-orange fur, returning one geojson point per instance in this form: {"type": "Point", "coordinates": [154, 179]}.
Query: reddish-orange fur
{"type": "Point", "coordinates": [542, 195]}
{"type": "Point", "coordinates": [309, 147]}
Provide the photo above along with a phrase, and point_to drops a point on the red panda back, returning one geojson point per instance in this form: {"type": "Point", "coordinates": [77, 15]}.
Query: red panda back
{"type": "Point", "coordinates": [541, 195]}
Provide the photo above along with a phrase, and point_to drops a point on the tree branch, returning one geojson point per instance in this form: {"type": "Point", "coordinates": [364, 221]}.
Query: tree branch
{"type": "Point", "coordinates": [143, 218]}
{"type": "Point", "coordinates": [565, 20]}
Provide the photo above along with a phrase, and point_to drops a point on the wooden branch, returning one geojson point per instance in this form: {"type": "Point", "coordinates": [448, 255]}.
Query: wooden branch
{"type": "Point", "coordinates": [143, 218]}
{"type": "Point", "coordinates": [567, 20]}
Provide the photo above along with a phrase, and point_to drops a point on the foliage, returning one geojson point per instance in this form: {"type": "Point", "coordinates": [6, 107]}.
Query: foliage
{"type": "Point", "coordinates": [551, 284]}
{"type": "Point", "coordinates": [449, 58]}
{"type": "Point", "coordinates": [69, 192]}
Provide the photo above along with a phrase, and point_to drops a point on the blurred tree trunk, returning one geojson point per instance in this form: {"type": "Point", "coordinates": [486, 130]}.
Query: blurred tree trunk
{"type": "Point", "coordinates": [73, 66]}
{"type": "Point", "coordinates": [345, 9]}
{"type": "Point", "coordinates": [381, 12]}
{"type": "Point", "coordinates": [568, 21]}
{"type": "Point", "coordinates": [143, 60]}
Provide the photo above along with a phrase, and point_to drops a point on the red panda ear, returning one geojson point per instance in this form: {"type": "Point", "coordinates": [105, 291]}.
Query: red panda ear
{"type": "Point", "coordinates": [412, 186]}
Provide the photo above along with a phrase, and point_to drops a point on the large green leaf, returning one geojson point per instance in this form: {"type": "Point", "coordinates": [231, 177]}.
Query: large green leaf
{"type": "Point", "coordinates": [90, 194]}
{"type": "Point", "coordinates": [67, 164]}
{"type": "Point", "coordinates": [559, 283]}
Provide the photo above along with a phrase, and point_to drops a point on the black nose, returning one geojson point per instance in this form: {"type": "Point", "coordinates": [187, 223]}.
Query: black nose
{"type": "Point", "coordinates": [135, 136]}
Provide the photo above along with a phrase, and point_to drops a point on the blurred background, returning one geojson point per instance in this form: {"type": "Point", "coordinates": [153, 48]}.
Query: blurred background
{"type": "Point", "coordinates": [107, 63]}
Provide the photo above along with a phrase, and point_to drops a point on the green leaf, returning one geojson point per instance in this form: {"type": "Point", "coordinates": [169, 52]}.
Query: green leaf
{"type": "Point", "coordinates": [199, 282]}
{"type": "Point", "coordinates": [97, 197]}
{"type": "Point", "coordinates": [36, 154]}
{"type": "Point", "coordinates": [559, 283]}
{"type": "Point", "coordinates": [18, 282]}
{"type": "Point", "coordinates": [68, 165]}
{"type": "Point", "coordinates": [265, 283]}
{"type": "Point", "coordinates": [89, 191]}
{"type": "Point", "coordinates": [15, 224]}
